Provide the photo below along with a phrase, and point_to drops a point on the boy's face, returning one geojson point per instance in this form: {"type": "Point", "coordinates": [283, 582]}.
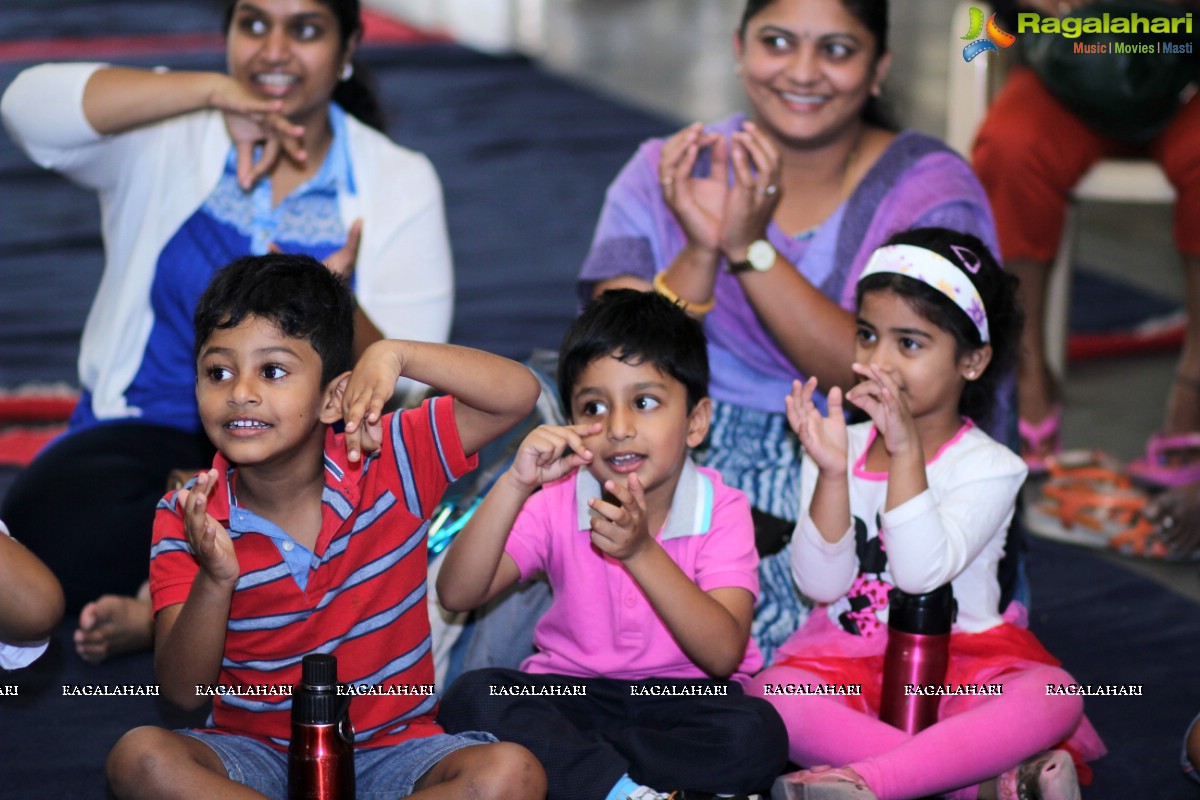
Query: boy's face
{"type": "Point", "coordinates": [647, 428]}
{"type": "Point", "coordinates": [260, 393]}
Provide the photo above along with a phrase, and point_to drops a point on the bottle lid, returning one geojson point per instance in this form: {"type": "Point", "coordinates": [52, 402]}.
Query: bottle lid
{"type": "Point", "coordinates": [929, 614]}
{"type": "Point", "coordinates": [316, 701]}
{"type": "Point", "coordinates": [316, 708]}
{"type": "Point", "coordinates": [319, 672]}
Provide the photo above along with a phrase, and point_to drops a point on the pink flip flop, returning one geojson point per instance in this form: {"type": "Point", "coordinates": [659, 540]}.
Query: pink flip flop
{"type": "Point", "coordinates": [1040, 439]}
{"type": "Point", "coordinates": [1156, 467]}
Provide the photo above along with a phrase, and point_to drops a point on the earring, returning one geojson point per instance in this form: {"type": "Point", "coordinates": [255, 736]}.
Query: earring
{"type": "Point", "coordinates": [347, 71]}
{"type": "Point", "coordinates": [971, 374]}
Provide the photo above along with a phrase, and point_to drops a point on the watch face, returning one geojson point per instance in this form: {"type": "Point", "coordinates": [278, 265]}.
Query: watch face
{"type": "Point", "coordinates": [761, 255]}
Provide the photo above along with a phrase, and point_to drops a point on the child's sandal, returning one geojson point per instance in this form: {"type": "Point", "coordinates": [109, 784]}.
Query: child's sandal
{"type": "Point", "coordinates": [1083, 513]}
{"type": "Point", "coordinates": [1040, 440]}
{"type": "Point", "coordinates": [1170, 460]}
{"type": "Point", "coordinates": [1047, 776]}
{"type": "Point", "coordinates": [1094, 467]}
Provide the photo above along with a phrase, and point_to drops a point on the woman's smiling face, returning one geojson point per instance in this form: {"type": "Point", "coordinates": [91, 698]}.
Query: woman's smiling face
{"type": "Point", "coordinates": [808, 68]}
{"type": "Point", "coordinates": [289, 50]}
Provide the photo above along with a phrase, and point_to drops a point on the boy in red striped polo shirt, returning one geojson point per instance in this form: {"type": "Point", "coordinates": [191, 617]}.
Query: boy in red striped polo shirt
{"type": "Point", "coordinates": [302, 540]}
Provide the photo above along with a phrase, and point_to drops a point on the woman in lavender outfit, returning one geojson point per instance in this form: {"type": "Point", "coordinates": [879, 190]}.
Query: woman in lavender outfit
{"type": "Point", "coordinates": [761, 223]}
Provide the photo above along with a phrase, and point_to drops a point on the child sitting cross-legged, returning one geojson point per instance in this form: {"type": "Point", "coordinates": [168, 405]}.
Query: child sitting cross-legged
{"type": "Point", "coordinates": [652, 566]}
{"type": "Point", "coordinates": [911, 499]}
{"type": "Point", "coordinates": [300, 540]}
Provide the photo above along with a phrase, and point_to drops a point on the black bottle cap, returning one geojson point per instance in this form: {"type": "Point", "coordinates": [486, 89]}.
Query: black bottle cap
{"type": "Point", "coordinates": [316, 701]}
{"type": "Point", "coordinates": [929, 614]}
{"type": "Point", "coordinates": [319, 671]}
{"type": "Point", "coordinates": [319, 708]}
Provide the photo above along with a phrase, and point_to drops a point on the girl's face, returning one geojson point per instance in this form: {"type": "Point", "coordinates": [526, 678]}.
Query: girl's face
{"type": "Point", "coordinates": [920, 356]}
{"type": "Point", "coordinates": [288, 50]}
{"type": "Point", "coordinates": [808, 67]}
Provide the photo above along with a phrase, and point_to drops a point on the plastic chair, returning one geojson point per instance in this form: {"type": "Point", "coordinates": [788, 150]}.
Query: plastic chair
{"type": "Point", "coordinates": [1112, 180]}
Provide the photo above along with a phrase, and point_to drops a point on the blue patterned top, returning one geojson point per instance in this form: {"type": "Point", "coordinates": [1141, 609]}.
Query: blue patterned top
{"type": "Point", "coordinates": [230, 224]}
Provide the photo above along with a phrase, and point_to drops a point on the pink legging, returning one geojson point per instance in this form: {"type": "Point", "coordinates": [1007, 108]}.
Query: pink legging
{"type": "Point", "coordinates": [960, 751]}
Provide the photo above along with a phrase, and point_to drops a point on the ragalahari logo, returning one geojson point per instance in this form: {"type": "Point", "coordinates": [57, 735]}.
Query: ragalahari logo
{"type": "Point", "coordinates": [996, 37]}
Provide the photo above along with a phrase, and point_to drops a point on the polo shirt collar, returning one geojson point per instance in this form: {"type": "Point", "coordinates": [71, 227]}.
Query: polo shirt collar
{"type": "Point", "coordinates": [691, 507]}
{"type": "Point", "coordinates": [341, 491]}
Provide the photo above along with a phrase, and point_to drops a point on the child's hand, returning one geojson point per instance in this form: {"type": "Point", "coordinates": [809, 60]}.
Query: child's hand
{"type": "Point", "coordinates": [824, 438]}
{"type": "Point", "coordinates": [211, 546]}
{"type": "Point", "coordinates": [621, 530]}
{"type": "Point", "coordinates": [880, 397]}
{"type": "Point", "coordinates": [364, 394]}
{"type": "Point", "coordinates": [550, 452]}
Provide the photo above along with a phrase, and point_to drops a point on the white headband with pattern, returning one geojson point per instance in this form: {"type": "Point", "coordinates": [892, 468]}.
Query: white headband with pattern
{"type": "Point", "coordinates": [938, 272]}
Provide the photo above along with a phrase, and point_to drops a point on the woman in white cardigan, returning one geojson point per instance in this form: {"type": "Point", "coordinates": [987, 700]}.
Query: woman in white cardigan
{"type": "Point", "coordinates": [192, 170]}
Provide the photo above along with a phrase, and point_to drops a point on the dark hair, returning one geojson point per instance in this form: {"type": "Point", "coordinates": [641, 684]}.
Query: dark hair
{"type": "Point", "coordinates": [873, 15]}
{"type": "Point", "coordinates": [997, 289]}
{"type": "Point", "coordinates": [298, 294]}
{"type": "Point", "coordinates": [638, 328]}
{"type": "Point", "coordinates": [356, 94]}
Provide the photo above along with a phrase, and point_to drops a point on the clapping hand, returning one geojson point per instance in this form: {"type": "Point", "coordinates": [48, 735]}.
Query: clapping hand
{"type": "Point", "coordinates": [716, 216]}
{"type": "Point", "coordinates": [620, 526]}
{"type": "Point", "coordinates": [697, 202]}
{"type": "Point", "coordinates": [824, 437]}
{"type": "Point", "coordinates": [879, 395]}
{"type": "Point", "coordinates": [211, 544]}
{"type": "Point", "coordinates": [755, 193]}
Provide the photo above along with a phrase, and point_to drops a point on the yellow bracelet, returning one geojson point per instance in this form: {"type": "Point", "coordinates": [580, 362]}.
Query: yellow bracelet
{"type": "Point", "coordinates": [660, 286]}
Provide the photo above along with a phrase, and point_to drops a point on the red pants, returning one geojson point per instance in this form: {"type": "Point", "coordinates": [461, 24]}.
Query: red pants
{"type": "Point", "coordinates": [1031, 151]}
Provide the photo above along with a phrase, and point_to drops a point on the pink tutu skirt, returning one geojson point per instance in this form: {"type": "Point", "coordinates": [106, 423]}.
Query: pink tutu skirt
{"type": "Point", "coordinates": [822, 648]}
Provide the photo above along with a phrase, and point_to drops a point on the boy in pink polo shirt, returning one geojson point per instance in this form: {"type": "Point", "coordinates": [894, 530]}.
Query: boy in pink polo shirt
{"type": "Point", "coordinates": [651, 561]}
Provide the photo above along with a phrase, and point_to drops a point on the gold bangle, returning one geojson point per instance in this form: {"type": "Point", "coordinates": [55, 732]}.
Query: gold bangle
{"type": "Point", "coordinates": [660, 286]}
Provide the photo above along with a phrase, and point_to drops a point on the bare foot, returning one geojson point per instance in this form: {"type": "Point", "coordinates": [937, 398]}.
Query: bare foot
{"type": "Point", "coordinates": [113, 625]}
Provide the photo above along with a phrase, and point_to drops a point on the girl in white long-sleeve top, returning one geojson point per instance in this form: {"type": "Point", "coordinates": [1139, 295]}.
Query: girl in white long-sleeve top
{"type": "Point", "coordinates": [914, 498]}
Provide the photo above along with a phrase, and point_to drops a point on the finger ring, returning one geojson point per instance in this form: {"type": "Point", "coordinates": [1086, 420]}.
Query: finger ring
{"type": "Point", "coordinates": [769, 190]}
{"type": "Point", "coordinates": [667, 181]}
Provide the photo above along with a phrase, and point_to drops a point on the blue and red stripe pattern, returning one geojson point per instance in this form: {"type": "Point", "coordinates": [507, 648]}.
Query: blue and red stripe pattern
{"type": "Point", "coordinates": [364, 599]}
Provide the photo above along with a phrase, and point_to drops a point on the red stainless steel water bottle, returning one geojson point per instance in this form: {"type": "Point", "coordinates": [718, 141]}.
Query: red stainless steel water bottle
{"type": "Point", "coordinates": [321, 753]}
{"type": "Point", "coordinates": [918, 650]}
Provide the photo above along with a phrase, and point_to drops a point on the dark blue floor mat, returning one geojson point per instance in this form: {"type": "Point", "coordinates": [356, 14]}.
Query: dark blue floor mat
{"type": "Point", "coordinates": [1102, 304]}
